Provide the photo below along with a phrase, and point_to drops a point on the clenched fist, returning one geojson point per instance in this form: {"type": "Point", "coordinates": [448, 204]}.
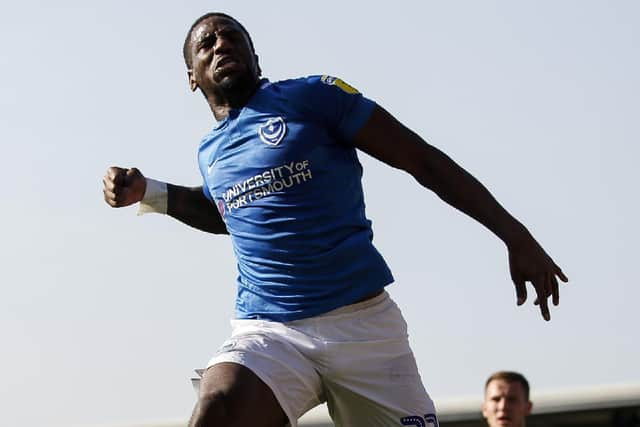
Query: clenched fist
{"type": "Point", "coordinates": [123, 187]}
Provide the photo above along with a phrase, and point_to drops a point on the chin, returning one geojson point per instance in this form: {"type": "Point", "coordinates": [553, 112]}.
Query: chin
{"type": "Point", "coordinates": [234, 82]}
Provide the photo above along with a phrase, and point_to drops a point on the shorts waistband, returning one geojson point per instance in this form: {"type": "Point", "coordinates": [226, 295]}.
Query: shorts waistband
{"type": "Point", "coordinates": [358, 306]}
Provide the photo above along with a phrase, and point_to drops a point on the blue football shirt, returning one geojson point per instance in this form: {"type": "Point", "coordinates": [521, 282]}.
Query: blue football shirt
{"type": "Point", "coordinates": [287, 181]}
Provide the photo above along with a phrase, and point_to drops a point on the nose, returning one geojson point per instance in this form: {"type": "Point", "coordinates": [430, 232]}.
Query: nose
{"type": "Point", "coordinates": [502, 403]}
{"type": "Point", "coordinates": [222, 44]}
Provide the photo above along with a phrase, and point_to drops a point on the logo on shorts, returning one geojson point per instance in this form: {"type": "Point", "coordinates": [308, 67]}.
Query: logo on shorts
{"type": "Point", "coordinates": [272, 131]}
{"type": "Point", "coordinates": [227, 346]}
{"type": "Point", "coordinates": [429, 420]}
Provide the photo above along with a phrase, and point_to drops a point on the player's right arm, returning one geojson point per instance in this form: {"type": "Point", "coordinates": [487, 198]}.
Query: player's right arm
{"type": "Point", "coordinates": [124, 187]}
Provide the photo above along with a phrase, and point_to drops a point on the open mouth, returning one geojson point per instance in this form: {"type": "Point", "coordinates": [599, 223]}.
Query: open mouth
{"type": "Point", "coordinates": [225, 61]}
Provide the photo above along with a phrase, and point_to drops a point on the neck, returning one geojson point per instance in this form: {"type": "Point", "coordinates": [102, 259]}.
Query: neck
{"type": "Point", "coordinates": [237, 95]}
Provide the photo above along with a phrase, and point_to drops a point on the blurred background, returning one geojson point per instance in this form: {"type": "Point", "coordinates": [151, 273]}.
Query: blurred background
{"type": "Point", "coordinates": [104, 315]}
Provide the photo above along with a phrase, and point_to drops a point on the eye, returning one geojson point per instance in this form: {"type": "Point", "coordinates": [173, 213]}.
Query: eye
{"type": "Point", "coordinates": [207, 42]}
{"type": "Point", "coordinates": [230, 33]}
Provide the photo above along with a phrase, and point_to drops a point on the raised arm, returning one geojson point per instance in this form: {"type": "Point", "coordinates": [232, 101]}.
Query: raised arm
{"type": "Point", "coordinates": [124, 187]}
{"type": "Point", "coordinates": [386, 139]}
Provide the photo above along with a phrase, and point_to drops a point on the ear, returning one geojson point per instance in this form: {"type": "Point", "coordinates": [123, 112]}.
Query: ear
{"type": "Point", "coordinates": [484, 409]}
{"type": "Point", "coordinates": [192, 81]}
{"type": "Point", "coordinates": [257, 65]}
{"type": "Point", "coordinates": [529, 408]}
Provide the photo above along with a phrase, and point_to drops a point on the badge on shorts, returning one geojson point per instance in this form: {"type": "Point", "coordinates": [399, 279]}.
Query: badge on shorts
{"type": "Point", "coordinates": [330, 80]}
{"type": "Point", "coordinates": [272, 131]}
{"type": "Point", "coordinates": [227, 346]}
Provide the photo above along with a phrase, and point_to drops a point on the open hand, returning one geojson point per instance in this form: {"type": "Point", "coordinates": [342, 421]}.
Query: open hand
{"type": "Point", "coordinates": [528, 262]}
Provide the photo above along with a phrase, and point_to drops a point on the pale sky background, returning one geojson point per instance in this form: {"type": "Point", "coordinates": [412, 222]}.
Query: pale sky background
{"type": "Point", "coordinates": [104, 315]}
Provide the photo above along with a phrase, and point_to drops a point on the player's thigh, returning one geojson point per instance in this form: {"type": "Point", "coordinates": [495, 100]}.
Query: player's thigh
{"type": "Point", "coordinates": [389, 393]}
{"type": "Point", "coordinates": [281, 357]}
{"type": "Point", "coordinates": [374, 380]}
{"type": "Point", "coordinates": [232, 392]}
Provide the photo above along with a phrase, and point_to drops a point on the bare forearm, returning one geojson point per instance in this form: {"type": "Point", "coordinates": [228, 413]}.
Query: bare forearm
{"type": "Point", "coordinates": [461, 190]}
{"type": "Point", "coordinates": [189, 206]}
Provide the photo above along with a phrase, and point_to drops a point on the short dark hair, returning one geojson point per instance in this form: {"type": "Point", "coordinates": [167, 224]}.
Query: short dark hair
{"type": "Point", "coordinates": [186, 47]}
{"type": "Point", "coordinates": [510, 377]}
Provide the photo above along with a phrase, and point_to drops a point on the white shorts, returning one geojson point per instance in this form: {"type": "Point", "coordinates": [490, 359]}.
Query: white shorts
{"type": "Point", "coordinates": [356, 358]}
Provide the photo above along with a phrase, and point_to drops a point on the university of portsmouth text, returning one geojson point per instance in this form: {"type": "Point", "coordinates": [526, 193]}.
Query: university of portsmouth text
{"type": "Point", "coordinates": [265, 183]}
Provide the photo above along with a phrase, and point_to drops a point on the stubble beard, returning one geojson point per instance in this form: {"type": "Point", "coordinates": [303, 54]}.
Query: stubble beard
{"type": "Point", "coordinates": [236, 85]}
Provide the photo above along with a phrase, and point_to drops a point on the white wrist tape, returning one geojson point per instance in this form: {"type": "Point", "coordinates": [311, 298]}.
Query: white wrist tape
{"type": "Point", "coordinates": [155, 198]}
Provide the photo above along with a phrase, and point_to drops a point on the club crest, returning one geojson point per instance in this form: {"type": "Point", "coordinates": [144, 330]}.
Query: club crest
{"type": "Point", "coordinates": [272, 131]}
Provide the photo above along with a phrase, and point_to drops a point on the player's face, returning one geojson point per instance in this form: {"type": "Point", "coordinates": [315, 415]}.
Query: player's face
{"type": "Point", "coordinates": [505, 404]}
{"type": "Point", "coordinates": [222, 57]}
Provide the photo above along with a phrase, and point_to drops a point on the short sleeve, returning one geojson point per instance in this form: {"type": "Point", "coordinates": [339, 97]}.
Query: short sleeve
{"type": "Point", "coordinates": [342, 107]}
{"type": "Point", "coordinates": [203, 165]}
{"type": "Point", "coordinates": [205, 191]}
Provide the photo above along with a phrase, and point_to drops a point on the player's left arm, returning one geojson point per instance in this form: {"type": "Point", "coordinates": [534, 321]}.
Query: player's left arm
{"type": "Point", "coordinates": [386, 139]}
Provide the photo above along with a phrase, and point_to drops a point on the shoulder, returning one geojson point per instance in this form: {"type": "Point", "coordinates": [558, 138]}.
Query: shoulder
{"type": "Point", "coordinates": [320, 83]}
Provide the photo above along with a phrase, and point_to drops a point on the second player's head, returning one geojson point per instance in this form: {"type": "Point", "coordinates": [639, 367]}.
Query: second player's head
{"type": "Point", "coordinates": [506, 400]}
